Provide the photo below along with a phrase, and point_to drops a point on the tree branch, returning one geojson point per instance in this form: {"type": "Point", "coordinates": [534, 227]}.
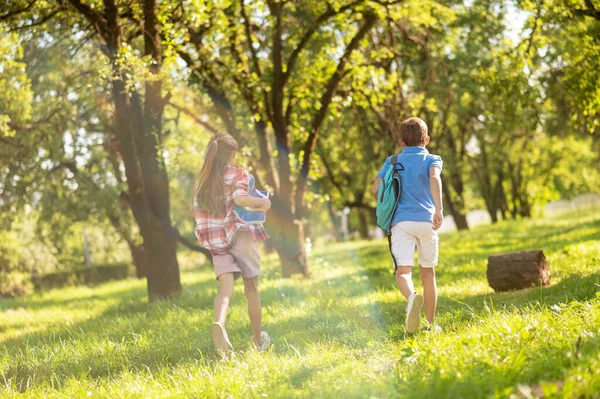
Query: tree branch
{"type": "Point", "coordinates": [42, 21]}
{"type": "Point", "coordinates": [331, 12]}
{"type": "Point", "coordinates": [590, 11]}
{"type": "Point", "coordinates": [213, 88]}
{"type": "Point", "coordinates": [195, 117]}
{"type": "Point", "coordinates": [332, 85]}
{"type": "Point", "coordinates": [329, 170]}
{"type": "Point", "coordinates": [97, 20]}
{"type": "Point", "coordinates": [190, 245]}
{"type": "Point", "coordinates": [248, 29]}
{"type": "Point", "coordinates": [18, 11]}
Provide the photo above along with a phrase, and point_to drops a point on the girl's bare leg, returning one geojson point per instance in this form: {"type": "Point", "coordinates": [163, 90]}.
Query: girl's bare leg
{"type": "Point", "coordinates": [254, 307]}
{"type": "Point", "coordinates": [223, 297]}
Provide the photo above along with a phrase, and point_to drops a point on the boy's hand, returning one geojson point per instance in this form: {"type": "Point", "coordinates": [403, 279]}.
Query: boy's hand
{"type": "Point", "coordinates": [438, 219]}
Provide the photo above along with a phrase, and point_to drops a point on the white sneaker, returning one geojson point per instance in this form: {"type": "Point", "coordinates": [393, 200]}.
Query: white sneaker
{"type": "Point", "coordinates": [220, 338]}
{"type": "Point", "coordinates": [413, 312]}
{"type": "Point", "coordinates": [265, 341]}
{"type": "Point", "coordinates": [433, 328]}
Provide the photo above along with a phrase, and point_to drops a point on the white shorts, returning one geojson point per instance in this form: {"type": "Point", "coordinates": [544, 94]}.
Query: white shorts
{"type": "Point", "coordinates": [408, 235]}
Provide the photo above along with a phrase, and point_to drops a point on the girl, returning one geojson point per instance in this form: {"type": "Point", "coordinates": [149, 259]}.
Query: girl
{"type": "Point", "coordinates": [218, 187]}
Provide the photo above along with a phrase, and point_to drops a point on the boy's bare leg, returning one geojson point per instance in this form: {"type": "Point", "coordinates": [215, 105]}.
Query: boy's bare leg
{"type": "Point", "coordinates": [404, 280]}
{"type": "Point", "coordinates": [254, 307]}
{"type": "Point", "coordinates": [223, 297]}
{"type": "Point", "coordinates": [429, 292]}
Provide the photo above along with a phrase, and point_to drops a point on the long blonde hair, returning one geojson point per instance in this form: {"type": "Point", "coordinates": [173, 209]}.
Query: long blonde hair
{"type": "Point", "coordinates": [208, 184]}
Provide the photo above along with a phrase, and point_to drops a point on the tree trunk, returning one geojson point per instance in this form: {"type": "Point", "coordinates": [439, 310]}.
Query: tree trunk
{"type": "Point", "coordinates": [503, 204]}
{"type": "Point", "coordinates": [493, 211]}
{"type": "Point", "coordinates": [460, 219]}
{"type": "Point", "coordinates": [525, 210]}
{"type": "Point", "coordinates": [140, 259]}
{"type": "Point", "coordinates": [287, 236]}
{"type": "Point", "coordinates": [518, 270]}
{"type": "Point", "coordinates": [139, 130]}
{"type": "Point", "coordinates": [363, 227]}
{"type": "Point", "coordinates": [335, 226]}
{"type": "Point", "coordinates": [162, 270]}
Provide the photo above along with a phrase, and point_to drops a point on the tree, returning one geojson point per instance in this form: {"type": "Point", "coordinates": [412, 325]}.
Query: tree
{"type": "Point", "coordinates": [269, 66]}
{"type": "Point", "coordinates": [138, 101]}
{"type": "Point", "coordinates": [564, 43]}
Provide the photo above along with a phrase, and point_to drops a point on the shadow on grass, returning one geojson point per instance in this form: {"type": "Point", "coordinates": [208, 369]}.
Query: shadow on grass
{"type": "Point", "coordinates": [570, 288]}
{"type": "Point", "coordinates": [39, 302]}
{"type": "Point", "coordinates": [452, 313]}
{"type": "Point", "coordinates": [133, 335]}
{"type": "Point", "coordinates": [129, 335]}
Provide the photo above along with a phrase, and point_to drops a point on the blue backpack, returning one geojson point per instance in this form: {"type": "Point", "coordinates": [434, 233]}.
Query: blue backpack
{"type": "Point", "coordinates": [388, 194]}
{"type": "Point", "coordinates": [247, 214]}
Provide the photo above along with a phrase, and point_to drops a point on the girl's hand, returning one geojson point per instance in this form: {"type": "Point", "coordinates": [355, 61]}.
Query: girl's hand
{"type": "Point", "coordinates": [266, 205]}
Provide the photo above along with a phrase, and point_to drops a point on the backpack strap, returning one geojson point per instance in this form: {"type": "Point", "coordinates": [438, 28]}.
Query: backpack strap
{"type": "Point", "coordinates": [389, 236]}
{"type": "Point", "coordinates": [394, 162]}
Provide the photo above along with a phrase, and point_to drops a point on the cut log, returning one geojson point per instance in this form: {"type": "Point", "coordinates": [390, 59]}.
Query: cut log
{"type": "Point", "coordinates": [518, 270]}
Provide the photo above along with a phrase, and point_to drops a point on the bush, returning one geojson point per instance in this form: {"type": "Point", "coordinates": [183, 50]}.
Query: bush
{"type": "Point", "coordinates": [31, 244]}
{"type": "Point", "coordinates": [83, 275]}
{"type": "Point", "coordinates": [14, 284]}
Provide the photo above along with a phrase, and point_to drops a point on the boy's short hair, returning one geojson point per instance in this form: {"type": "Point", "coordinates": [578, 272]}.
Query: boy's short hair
{"type": "Point", "coordinates": [413, 131]}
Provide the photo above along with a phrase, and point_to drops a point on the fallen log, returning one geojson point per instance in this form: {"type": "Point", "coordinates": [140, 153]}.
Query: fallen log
{"type": "Point", "coordinates": [518, 270]}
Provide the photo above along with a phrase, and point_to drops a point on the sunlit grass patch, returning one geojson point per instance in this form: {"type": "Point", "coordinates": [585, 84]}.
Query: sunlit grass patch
{"type": "Point", "coordinates": [339, 333]}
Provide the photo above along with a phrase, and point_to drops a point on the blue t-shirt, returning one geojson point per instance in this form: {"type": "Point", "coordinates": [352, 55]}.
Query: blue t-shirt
{"type": "Point", "coordinates": [416, 203]}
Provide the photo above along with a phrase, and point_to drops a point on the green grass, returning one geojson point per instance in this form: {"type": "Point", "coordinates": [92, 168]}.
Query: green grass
{"type": "Point", "coordinates": [338, 334]}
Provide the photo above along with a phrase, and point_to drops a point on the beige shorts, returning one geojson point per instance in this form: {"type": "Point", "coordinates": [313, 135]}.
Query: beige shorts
{"type": "Point", "coordinates": [408, 235]}
{"type": "Point", "coordinates": [243, 259]}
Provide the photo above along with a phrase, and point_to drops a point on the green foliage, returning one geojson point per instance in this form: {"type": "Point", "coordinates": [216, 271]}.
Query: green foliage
{"type": "Point", "coordinates": [23, 250]}
{"type": "Point", "coordinates": [33, 246]}
{"type": "Point", "coordinates": [15, 86]}
{"type": "Point", "coordinates": [15, 285]}
{"type": "Point", "coordinates": [511, 117]}
{"type": "Point", "coordinates": [338, 333]}
{"type": "Point", "coordinates": [564, 44]}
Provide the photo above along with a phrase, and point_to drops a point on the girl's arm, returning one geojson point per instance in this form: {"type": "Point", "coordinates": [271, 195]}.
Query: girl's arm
{"type": "Point", "coordinates": [246, 200]}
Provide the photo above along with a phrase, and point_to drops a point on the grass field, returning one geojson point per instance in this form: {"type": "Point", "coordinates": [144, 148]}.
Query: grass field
{"type": "Point", "coordinates": [338, 334]}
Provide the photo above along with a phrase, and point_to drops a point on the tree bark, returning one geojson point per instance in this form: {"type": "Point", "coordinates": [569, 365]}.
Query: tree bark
{"type": "Point", "coordinates": [139, 256]}
{"type": "Point", "coordinates": [460, 219]}
{"type": "Point", "coordinates": [335, 226]}
{"type": "Point", "coordinates": [287, 236]}
{"type": "Point", "coordinates": [163, 269]}
{"type": "Point", "coordinates": [363, 225]}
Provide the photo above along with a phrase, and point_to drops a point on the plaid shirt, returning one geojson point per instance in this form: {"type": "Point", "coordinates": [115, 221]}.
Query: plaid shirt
{"type": "Point", "coordinates": [216, 233]}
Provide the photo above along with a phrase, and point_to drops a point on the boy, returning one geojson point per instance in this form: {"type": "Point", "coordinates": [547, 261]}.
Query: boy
{"type": "Point", "coordinates": [417, 219]}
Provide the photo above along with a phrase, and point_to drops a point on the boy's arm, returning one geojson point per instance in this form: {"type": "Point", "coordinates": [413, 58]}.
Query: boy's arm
{"type": "Point", "coordinates": [380, 176]}
{"type": "Point", "coordinates": [435, 183]}
{"type": "Point", "coordinates": [263, 204]}
{"type": "Point", "coordinates": [375, 187]}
